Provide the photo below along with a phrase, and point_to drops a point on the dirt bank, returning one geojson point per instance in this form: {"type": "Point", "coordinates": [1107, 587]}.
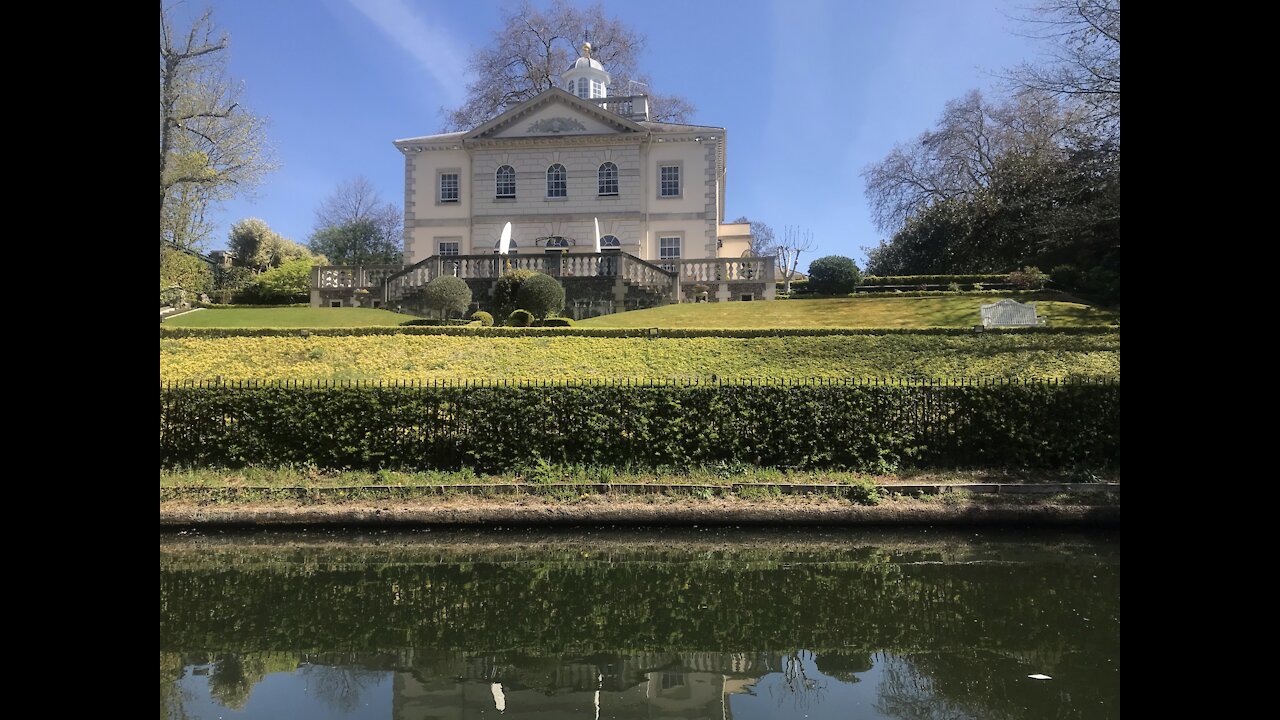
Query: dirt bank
{"type": "Point", "coordinates": [467, 510]}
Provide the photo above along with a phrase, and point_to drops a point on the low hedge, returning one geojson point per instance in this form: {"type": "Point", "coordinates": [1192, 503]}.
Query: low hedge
{"type": "Point", "coordinates": [431, 322]}
{"type": "Point", "coordinates": [494, 427]}
{"type": "Point", "coordinates": [229, 306]}
{"type": "Point", "coordinates": [872, 294]}
{"type": "Point", "coordinates": [933, 279]}
{"type": "Point", "coordinates": [174, 332]}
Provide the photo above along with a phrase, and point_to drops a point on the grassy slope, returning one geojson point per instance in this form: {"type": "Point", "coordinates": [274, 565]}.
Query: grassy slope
{"type": "Point", "coordinates": [566, 358]}
{"type": "Point", "coordinates": [957, 311]}
{"type": "Point", "coordinates": [292, 317]}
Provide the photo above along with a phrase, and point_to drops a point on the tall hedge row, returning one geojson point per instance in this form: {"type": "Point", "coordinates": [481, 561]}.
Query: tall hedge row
{"type": "Point", "coordinates": [499, 428]}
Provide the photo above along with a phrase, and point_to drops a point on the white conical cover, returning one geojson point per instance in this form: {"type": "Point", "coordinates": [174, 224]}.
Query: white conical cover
{"type": "Point", "coordinates": [505, 244]}
{"type": "Point", "coordinates": [597, 236]}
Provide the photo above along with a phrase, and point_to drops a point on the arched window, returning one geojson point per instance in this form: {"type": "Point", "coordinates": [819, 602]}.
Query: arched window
{"type": "Point", "coordinates": [498, 246]}
{"type": "Point", "coordinates": [505, 182]}
{"type": "Point", "coordinates": [608, 177]}
{"type": "Point", "coordinates": [610, 242]}
{"type": "Point", "coordinates": [557, 181]}
{"type": "Point", "coordinates": [557, 242]}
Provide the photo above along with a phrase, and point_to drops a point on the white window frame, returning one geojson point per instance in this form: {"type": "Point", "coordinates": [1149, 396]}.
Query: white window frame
{"type": "Point", "coordinates": [679, 188]}
{"type": "Point", "coordinates": [440, 176]}
{"type": "Point", "coordinates": [679, 242]}
{"type": "Point", "coordinates": [564, 181]}
{"type": "Point", "coordinates": [607, 247]}
{"type": "Point", "coordinates": [604, 181]}
{"type": "Point", "coordinates": [498, 183]}
{"type": "Point", "coordinates": [442, 251]}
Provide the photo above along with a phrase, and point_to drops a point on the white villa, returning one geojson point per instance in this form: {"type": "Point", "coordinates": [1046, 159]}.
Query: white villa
{"type": "Point", "coordinates": [554, 166]}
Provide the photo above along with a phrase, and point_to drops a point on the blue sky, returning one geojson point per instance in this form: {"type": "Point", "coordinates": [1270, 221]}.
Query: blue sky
{"type": "Point", "coordinates": [810, 91]}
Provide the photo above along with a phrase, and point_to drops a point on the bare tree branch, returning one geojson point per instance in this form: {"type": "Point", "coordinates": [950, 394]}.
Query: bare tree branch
{"type": "Point", "coordinates": [532, 49]}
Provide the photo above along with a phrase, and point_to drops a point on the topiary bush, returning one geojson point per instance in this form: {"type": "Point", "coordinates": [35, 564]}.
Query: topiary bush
{"type": "Point", "coordinates": [504, 291]}
{"type": "Point", "coordinates": [1028, 278]}
{"type": "Point", "coordinates": [557, 322]}
{"type": "Point", "coordinates": [485, 319]}
{"type": "Point", "coordinates": [541, 295]}
{"type": "Point", "coordinates": [833, 275]}
{"type": "Point", "coordinates": [447, 294]}
{"type": "Point", "coordinates": [520, 318]}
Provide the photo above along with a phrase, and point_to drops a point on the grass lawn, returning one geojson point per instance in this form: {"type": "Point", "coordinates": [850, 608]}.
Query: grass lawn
{"type": "Point", "coordinates": [289, 317]}
{"type": "Point", "coordinates": [435, 357]}
{"type": "Point", "coordinates": [912, 312]}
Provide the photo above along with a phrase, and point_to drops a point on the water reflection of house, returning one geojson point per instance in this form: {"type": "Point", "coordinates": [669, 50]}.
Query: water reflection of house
{"type": "Point", "coordinates": [657, 685]}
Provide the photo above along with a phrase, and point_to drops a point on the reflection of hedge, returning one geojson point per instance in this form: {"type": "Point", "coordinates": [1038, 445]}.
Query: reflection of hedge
{"type": "Point", "coordinates": [496, 427]}
{"type": "Point", "coordinates": [721, 601]}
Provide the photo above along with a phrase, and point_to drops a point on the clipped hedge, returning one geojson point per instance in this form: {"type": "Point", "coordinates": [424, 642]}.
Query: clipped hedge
{"type": "Point", "coordinates": [229, 306]}
{"type": "Point", "coordinates": [413, 327]}
{"type": "Point", "coordinates": [496, 427]}
{"type": "Point", "coordinates": [933, 279]}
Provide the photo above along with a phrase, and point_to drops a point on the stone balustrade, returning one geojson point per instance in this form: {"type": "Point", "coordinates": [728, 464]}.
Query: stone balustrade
{"type": "Point", "coordinates": [390, 284]}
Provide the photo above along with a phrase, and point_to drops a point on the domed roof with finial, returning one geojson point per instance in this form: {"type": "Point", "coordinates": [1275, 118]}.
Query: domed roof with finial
{"type": "Point", "coordinates": [586, 61]}
{"type": "Point", "coordinates": [586, 78]}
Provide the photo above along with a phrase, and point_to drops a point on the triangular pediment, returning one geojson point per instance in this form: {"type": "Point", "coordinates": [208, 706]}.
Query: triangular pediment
{"type": "Point", "coordinates": [555, 113]}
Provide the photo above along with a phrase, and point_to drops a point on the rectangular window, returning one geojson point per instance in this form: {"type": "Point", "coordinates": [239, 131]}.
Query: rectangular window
{"type": "Point", "coordinates": [449, 248]}
{"type": "Point", "coordinates": [335, 303]}
{"type": "Point", "coordinates": [748, 297]}
{"type": "Point", "coordinates": [669, 179]}
{"type": "Point", "coordinates": [448, 187]}
{"type": "Point", "coordinates": [668, 248]}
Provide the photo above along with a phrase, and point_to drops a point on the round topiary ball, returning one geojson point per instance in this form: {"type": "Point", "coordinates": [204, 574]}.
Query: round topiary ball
{"type": "Point", "coordinates": [541, 295]}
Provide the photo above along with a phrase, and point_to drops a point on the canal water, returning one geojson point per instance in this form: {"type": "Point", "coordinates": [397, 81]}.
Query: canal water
{"type": "Point", "coordinates": [914, 624]}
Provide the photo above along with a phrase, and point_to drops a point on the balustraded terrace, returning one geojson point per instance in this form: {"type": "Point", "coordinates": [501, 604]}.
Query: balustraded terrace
{"type": "Point", "coordinates": [630, 281]}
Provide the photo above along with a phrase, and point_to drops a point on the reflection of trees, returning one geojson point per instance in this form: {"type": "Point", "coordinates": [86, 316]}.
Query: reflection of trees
{"type": "Point", "coordinates": [172, 696]}
{"type": "Point", "coordinates": [843, 666]}
{"type": "Point", "coordinates": [340, 687]}
{"type": "Point", "coordinates": [234, 675]}
{"type": "Point", "coordinates": [796, 685]}
{"type": "Point", "coordinates": [906, 693]}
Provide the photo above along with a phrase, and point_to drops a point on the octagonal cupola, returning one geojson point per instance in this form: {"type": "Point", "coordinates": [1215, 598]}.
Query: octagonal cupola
{"type": "Point", "coordinates": [586, 78]}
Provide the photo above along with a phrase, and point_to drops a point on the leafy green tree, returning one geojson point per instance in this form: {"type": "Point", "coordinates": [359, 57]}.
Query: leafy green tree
{"type": "Point", "coordinates": [446, 295]}
{"type": "Point", "coordinates": [1036, 211]}
{"type": "Point", "coordinates": [290, 282]}
{"type": "Point", "coordinates": [833, 275]}
{"type": "Point", "coordinates": [260, 248]}
{"type": "Point", "coordinates": [359, 242]}
{"type": "Point", "coordinates": [541, 295]}
{"type": "Point", "coordinates": [184, 270]}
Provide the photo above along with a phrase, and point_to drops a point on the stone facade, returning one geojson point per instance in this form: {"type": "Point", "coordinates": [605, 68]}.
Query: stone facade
{"type": "Point", "coordinates": [557, 128]}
